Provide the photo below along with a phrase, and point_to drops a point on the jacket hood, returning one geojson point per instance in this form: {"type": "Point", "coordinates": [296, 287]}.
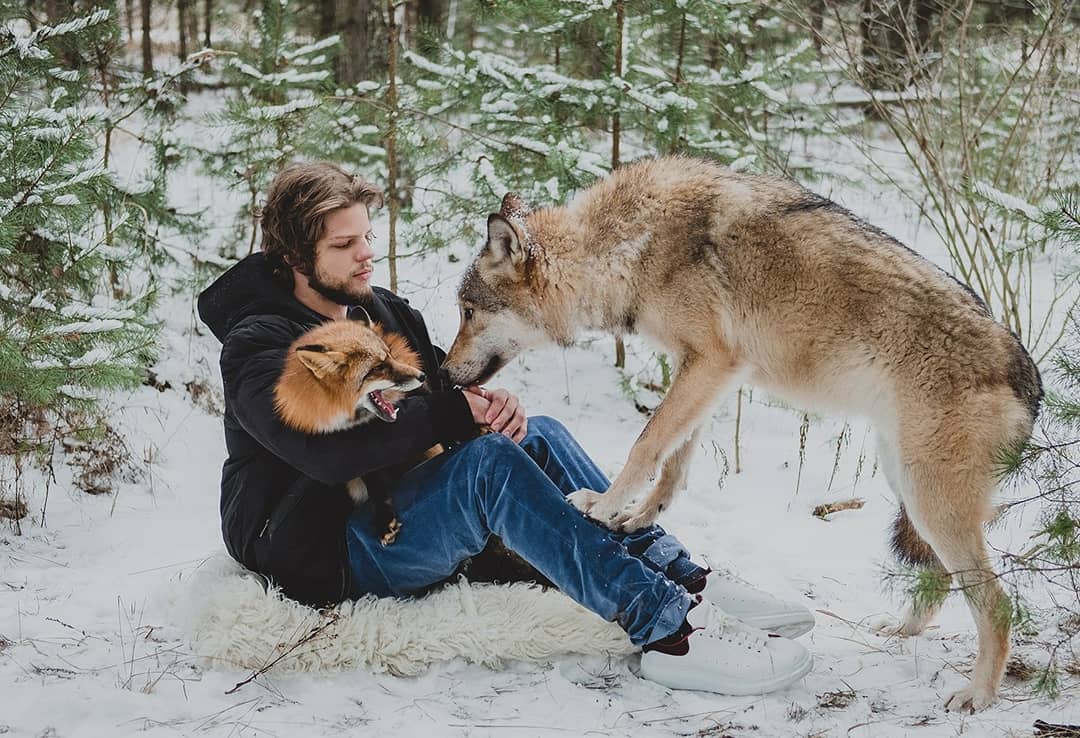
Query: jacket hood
{"type": "Point", "coordinates": [249, 288]}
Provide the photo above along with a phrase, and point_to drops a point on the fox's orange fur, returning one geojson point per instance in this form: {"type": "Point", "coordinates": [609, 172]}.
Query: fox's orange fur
{"type": "Point", "coordinates": [320, 391]}
{"type": "Point", "coordinates": [327, 383]}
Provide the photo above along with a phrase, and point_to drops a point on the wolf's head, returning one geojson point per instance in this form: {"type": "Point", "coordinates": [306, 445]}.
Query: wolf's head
{"type": "Point", "coordinates": [499, 299]}
{"type": "Point", "coordinates": [343, 373]}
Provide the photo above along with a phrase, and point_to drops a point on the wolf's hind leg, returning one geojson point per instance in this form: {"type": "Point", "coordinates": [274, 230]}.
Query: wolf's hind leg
{"type": "Point", "coordinates": [948, 510]}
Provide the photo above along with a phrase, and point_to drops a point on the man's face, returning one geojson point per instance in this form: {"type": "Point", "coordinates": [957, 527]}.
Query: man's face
{"type": "Point", "coordinates": [343, 256]}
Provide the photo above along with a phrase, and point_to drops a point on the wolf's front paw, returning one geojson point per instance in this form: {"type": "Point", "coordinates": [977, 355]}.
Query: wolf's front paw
{"type": "Point", "coordinates": [635, 518]}
{"type": "Point", "coordinates": [603, 508]}
{"type": "Point", "coordinates": [971, 699]}
{"type": "Point", "coordinates": [584, 499]}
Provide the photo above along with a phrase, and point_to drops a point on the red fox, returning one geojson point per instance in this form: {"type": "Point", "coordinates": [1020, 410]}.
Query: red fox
{"type": "Point", "coordinates": [342, 374]}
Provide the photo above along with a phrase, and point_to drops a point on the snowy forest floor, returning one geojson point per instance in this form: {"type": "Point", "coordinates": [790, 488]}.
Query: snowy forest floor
{"type": "Point", "coordinates": [88, 647]}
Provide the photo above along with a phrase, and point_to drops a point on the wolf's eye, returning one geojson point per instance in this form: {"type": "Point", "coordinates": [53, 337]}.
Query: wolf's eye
{"type": "Point", "coordinates": [468, 313]}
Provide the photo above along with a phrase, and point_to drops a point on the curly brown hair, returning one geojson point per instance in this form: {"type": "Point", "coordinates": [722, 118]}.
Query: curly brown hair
{"type": "Point", "coordinates": [296, 206]}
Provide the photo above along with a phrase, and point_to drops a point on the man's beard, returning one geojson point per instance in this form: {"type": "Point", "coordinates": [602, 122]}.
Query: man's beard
{"type": "Point", "coordinates": [339, 294]}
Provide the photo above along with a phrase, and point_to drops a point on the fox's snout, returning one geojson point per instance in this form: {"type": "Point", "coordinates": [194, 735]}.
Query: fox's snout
{"type": "Point", "coordinates": [405, 377]}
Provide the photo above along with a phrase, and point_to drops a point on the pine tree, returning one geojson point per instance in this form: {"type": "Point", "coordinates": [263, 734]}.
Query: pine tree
{"type": "Point", "coordinates": [78, 242]}
{"type": "Point", "coordinates": [563, 92]}
{"type": "Point", "coordinates": [1052, 460]}
{"type": "Point", "coordinates": [284, 107]}
{"type": "Point", "coordinates": [540, 108]}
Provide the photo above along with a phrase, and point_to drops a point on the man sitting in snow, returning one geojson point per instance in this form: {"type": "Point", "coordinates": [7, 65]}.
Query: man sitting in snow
{"type": "Point", "coordinates": [285, 512]}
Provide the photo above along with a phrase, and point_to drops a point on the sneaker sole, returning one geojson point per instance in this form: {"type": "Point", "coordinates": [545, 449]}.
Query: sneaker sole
{"type": "Point", "coordinates": [664, 670]}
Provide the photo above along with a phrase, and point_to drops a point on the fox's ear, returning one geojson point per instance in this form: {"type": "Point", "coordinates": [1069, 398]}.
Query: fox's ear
{"type": "Point", "coordinates": [503, 249]}
{"type": "Point", "coordinates": [513, 206]}
{"type": "Point", "coordinates": [320, 361]}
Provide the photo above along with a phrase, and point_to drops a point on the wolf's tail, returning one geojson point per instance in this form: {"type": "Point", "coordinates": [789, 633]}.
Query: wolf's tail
{"type": "Point", "coordinates": [909, 547]}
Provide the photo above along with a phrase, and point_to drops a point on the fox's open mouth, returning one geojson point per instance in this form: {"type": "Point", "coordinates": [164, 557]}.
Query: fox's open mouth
{"type": "Point", "coordinates": [383, 409]}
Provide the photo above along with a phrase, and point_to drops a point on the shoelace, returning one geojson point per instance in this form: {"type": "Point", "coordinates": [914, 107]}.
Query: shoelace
{"type": "Point", "coordinates": [724, 626]}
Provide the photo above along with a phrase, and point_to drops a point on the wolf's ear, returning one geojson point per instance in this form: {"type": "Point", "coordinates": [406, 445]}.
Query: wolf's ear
{"type": "Point", "coordinates": [513, 206]}
{"type": "Point", "coordinates": [503, 249]}
{"type": "Point", "coordinates": [320, 361]}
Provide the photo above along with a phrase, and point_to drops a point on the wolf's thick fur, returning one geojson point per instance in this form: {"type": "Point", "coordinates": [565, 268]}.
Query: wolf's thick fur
{"type": "Point", "coordinates": [327, 383]}
{"type": "Point", "coordinates": [743, 277]}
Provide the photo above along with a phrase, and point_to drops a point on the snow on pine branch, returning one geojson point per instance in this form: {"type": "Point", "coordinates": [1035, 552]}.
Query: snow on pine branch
{"type": "Point", "coordinates": [41, 303]}
{"type": "Point", "coordinates": [487, 172]}
{"type": "Point", "coordinates": [76, 25]}
{"type": "Point", "coordinates": [1006, 201]}
{"type": "Point", "coordinates": [93, 357]}
{"type": "Point", "coordinates": [76, 393]}
{"type": "Point", "coordinates": [288, 77]}
{"type": "Point", "coordinates": [28, 46]}
{"type": "Point", "coordinates": [775, 95]}
{"type": "Point", "coordinates": [64, 75]}
{"type": "Point", "coordinates": [95, 312]}
{"type": "Point", "coordinates": [311, 48]}
{"type": "Point", "coordinates": [561, 24]}
{"type": "Point", "coordinates": [537, 147]}
{"type": "Point", "coordinates": [659, 102]}
{"type": "Point", "coordinates": [431, 67]}
{"type": "Point", "coordinates": [555, 82]}
{"type": "Point", "coordinates": [87, 326]}
{"type": "Point", "coordinates": [276, 112]}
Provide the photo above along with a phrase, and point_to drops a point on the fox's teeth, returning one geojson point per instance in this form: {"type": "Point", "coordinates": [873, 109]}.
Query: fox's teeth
{"type": "Point", "coordinates": [386, 407]}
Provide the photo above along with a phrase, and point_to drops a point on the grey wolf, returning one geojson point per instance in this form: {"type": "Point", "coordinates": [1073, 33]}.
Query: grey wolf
{"type": "Point", "coordinates": [741, 277]}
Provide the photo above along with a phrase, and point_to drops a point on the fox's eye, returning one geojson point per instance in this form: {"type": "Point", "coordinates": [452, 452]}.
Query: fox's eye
{"type": "Point", "coordinates": [468, 313]}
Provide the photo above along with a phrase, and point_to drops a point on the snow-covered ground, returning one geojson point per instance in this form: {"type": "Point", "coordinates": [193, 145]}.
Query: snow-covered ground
{"type": "Point", "coordinates": [88, 645]}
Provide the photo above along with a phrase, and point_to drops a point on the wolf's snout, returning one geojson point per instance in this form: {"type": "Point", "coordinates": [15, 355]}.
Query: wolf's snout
{"type": "Point", "coordinates": [455, 375]}
{"type": "Point", "coordinates": [420, 377]}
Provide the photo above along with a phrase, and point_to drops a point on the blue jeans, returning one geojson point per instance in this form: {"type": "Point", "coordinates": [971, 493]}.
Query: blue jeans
{"type": "Point", "coordinates": [450, 505]}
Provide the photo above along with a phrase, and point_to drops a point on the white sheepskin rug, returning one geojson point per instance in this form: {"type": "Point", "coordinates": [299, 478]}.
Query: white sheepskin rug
{"type": "Point", "coordinates": [232, 622]}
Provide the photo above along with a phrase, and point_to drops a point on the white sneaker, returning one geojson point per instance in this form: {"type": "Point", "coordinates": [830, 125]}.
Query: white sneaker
{"type": "Point", "coordinates": [727, 657]}
{"type": "Point", "coordinates": [749, 604]}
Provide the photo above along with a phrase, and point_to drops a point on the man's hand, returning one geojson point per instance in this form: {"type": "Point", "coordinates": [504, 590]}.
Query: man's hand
{"type": "Point", "coordinates": [479, 405]}
{"type": "Point", "coordinates": [504, 412]}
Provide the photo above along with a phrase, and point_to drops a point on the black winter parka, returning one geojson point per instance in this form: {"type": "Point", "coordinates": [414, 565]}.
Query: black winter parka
{"type": "Point", "coordinates": [283, 500]}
